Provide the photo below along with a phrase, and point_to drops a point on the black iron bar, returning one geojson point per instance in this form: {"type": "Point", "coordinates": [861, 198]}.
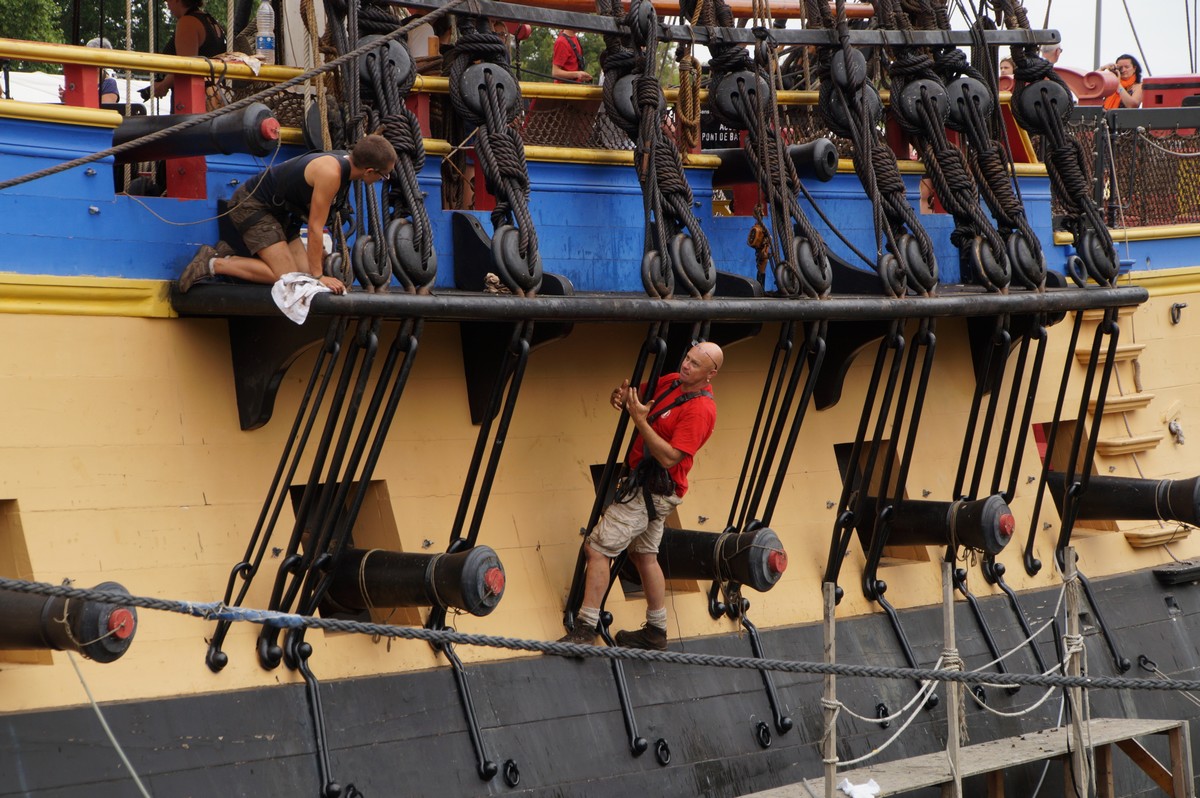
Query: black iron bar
{"type": "Point", "coordinates": [517, 354]}
{"type": "Point", "coordinates": [318, 523]}
{"type": "Point", "coordinates": [1032, 564]}
{"type": "Point", "coordinates": [264, 528]}
{"type": "Point", "coordinates": [844, 525]}
{"type": "Point", "coordinates": [960, 583]}
{"type": "Point", "coordinates": [374, 428]}
{"type": "Point", "coordinates": [595, 23]}
{"type": "Point", "coordinates": [1000, 348]}
{"type": "Point", "coordinates": [814, 352]}
{"type": "Point", "coordinates": [637, 743]}
{"type": "Point", "coordinates": [783, 723]}
{"type": "Point", "coordinates": [762, 419]}
{"type": "Point", "coordinates": [229, 300]}
{"type": "Point", "coordinates": [1040, 334]}
{"type": "Point", "coordinates": [863, 479]}
{"type": "Point", "coordinates": [484, 766]}
{"type": "Point", "coordinates": [287, 578]}
{"type": "Point", "coordinates": [1077, 487]}
{"type": "Point", "coordinates": [993, 572]}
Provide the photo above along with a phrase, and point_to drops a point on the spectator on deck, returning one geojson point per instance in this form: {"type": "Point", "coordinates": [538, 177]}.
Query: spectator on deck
{"type": "Point", "coordinates": [1129, 92]}
{"type": "Point", "coordinates": [196, 33]}
{"type": "Point", "coordinates": [1052, 52]}
{"type": "Point", "coordinates": [1007, 67]}
{"type": "Point", "coordinates": [108, 84]}
{"type": "Point", "coordinates": [567, 64]}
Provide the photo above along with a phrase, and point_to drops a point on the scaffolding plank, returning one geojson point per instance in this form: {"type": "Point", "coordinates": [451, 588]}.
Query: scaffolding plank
{"type": "Point", "coordinates": [930, 770]}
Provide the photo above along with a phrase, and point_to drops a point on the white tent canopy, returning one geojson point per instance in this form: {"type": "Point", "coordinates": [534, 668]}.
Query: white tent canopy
{"type": "Point", "coordinates": [41, 87]}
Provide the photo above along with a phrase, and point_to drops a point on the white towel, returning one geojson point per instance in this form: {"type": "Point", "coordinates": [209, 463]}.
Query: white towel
{"type": "Point", "coordinates": [293, 294]}
{"type": "Point", "coordinates": [859, 790]}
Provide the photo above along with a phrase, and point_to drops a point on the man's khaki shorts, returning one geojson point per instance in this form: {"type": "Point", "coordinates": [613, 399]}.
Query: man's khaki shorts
{"type": "Point", "coordinates": [625, 525]}
{"type": "Point", "coordinates": [257, 224]}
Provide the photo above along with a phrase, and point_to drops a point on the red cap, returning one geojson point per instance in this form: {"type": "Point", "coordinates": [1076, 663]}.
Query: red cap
{"type": "Point", "coordinates": [269, 129]}
{"type": "Point", "coordinates": [1007, 525]}
{"type": "Point", "coordinates": [777, 561]}
{"type": "Point", "coordinates": [121, 623]}
{"type": "Point", "coordinates": [493, 579]}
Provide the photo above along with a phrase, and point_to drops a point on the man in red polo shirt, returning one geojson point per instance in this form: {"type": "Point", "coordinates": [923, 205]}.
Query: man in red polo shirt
{"type": "Point", "coordinates": [567, 63]}
{"type": "Point", "coordinates": [671, 428]}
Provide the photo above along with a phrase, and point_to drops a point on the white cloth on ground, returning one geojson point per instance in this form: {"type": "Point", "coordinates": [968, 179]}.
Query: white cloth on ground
{"type": "Point", "coordinates": [859, 790]}
{"type": "Point", "coordinates": [293, 294]}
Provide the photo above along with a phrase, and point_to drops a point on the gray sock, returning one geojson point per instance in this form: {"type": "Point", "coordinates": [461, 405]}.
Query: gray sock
{"type": "Point", "coordinates": [657, 618]}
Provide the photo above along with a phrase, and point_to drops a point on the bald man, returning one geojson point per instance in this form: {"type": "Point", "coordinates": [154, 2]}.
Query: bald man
{"type": "Point", "coordinates": [671, 428]}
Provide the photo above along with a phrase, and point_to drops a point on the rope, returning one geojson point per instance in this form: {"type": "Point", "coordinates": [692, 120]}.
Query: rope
{"type": "Point", "coordinates": [112, 738]}
{"type": "Point", "coordinates": [271, 91]}
{"type": "Point", "coordinates": [851, 108]}
{"type": "Point", "coordinates": [500, 151]}
{"type": "Point", "coordinates": [1066, 161]}
{"type": "Point", "coordinates": [216, 610]}
{"type": "Point", "coordinates": [671, 226]}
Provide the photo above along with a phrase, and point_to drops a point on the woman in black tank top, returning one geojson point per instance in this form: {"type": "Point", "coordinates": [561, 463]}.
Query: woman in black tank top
{"type": "Point", "coordinates": [196, 33]}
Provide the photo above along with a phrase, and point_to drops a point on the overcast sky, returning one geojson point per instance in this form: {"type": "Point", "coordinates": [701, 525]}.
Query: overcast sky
{"type": "Point", "coordinates": [1162, 27]}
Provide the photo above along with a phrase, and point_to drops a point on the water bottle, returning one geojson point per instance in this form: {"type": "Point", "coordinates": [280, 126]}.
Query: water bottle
{"type": "Point", "coordinates": [264, 41]}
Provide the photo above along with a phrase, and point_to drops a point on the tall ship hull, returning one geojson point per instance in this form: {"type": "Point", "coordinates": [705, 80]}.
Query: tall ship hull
{"type": "Point", "coordinates": [245, 556]}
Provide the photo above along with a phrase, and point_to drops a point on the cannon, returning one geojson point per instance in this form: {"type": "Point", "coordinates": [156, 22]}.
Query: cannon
{"type": "Point", "coordinates": [471, 580]}
{"type": "Point", "coordinates": [98, 630]}
{"type": "Point", "coordinates": [755, 559]}
{"type": "Point", "coordinates": [817, 160]}
{"type": "Point", "coordinates": [252, 130]}
{"type": "Point", "coordinates": [985, 524]}
{"type": "Point", "coordinates": [1133, 499]}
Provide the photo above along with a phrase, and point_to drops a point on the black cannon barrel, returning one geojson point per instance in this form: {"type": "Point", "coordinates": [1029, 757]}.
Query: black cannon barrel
{"type": "Point", "coordinates": [251, 130]}
{"type": "Point", "coordinates": [99, 631]}
{"type": "Point", "coordinates": [985, 524]}
{"type": "Point", "coordinates": [471, 580]}
{"type": "Point", "coordinates": [756, 559]}
{"type": "Point", "coordinates": [1133, 499]}
{"type": "Point", "coordinates": [817, 159]}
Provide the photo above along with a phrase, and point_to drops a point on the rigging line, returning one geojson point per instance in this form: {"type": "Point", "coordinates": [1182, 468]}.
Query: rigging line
{"type": "Point", "coordinates": [925, 690]}
{"type": "Point", "coordinates": [137, 199]}
{"type": "Point", "coordinates": [245, 102]}
{"type": "Point", "coordinates": [215, 610]}
{"type": "Point", "coordinates": [112, 738]}
{"type": "Point", "coordinates": [1187, 24]}
{"type": "Point", "coordinates": [1136, 40]}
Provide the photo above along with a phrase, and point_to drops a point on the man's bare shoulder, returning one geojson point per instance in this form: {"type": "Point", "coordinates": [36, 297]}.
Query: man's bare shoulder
{"type": "Point", "coordinates": [325, 169]}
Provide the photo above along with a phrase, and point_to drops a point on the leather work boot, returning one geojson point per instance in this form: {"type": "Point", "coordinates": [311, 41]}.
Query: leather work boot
{"type": "Point", "coordinates": [649, 637]}
{"type": "Point", "coordinates": [582, 634]}
{"type": "Point", "coordinates": [197, 269]}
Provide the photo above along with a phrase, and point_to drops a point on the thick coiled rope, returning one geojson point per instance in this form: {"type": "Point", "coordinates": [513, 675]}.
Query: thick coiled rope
{"type": "Point", "coordinates": [498, 145]}
{"type": "Point", "coordinates": [675, 246]}
{"type": "Point", "coordinates": [852, 109]}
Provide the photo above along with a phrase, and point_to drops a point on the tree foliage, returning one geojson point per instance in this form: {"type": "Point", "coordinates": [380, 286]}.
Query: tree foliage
{"type": "Point", "coordinates": [77, 21]}
{"type": "Point", "coordinates": [31, 20]}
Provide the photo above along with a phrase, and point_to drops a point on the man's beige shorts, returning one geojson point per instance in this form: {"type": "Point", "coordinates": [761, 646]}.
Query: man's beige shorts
{"type": "Point", "coordinates": [626, 525]}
